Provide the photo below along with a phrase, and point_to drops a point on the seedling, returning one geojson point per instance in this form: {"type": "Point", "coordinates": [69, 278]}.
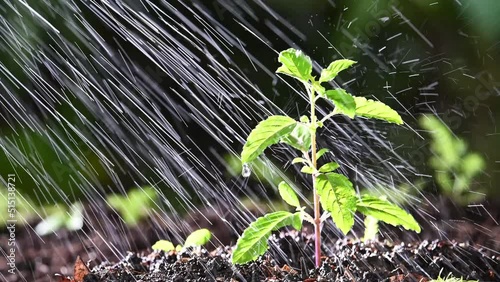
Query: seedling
{"type": "Point", "coordinates": [135, 205]}
{"type": "Point", "coordinates": [455, 166]}
{"type": "Point", "coordinates": [331, 191]}
{"type": "Point", "coordinates": [198, 238]}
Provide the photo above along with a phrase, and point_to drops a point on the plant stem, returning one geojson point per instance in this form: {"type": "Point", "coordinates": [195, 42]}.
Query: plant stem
{"type": "Point", "coordinates": [317, 211]}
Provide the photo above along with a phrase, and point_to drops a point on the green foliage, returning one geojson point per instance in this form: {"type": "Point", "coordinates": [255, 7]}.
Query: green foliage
{"type": "Point", "coordinates": [334, 69]}
{"type": "Point", "coordinates": [288, 195]}
{"type": "Point", "coordinates": [198, 238]}
{"type": "Point", "coordinates": [454, 166]}
{"type": "Point", "coordinates": [253, 241]}
{"type": "Point", "coordinates": [375, 109]}
{"type": "Point", "coordinates": [266, 133]}
{"type": "Point", "coordinates": [383, 210]}
{"type": "Point", "coordinates": [371, 228]}
{"type": "Point", "coordinates": [135, 205]}
{"type": "Point", "coordinates": [163, 245]}
{"type": "Point", "coordinates": [343, 101]}
{"type": "Point", "coordinates": [295, 64]}
{"type": "Point", "coordinates": [450, 278]}
{"type": "Point", "coordinates": [299, 138]}
{"type": "Point", "coordinates": [335, 192]}
{"type": "Point", "coordinates": [59, 217]}
{"type": "Point", "coordinates": [338, 197]}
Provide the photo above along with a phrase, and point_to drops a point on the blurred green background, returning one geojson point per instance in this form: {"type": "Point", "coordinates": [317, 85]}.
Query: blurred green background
{"type": "Point", "coordinates": [420, 57]}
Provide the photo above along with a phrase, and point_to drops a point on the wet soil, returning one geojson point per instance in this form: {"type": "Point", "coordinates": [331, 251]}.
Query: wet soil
{"type": "Point", "coordinates": [352, 261]}
{"type": "Point", "coordinates": [473, 255]}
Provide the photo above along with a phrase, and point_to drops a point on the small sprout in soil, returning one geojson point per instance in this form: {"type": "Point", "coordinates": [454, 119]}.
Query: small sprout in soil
{"type": "Point", "coordinates": [450, 278]}
{"type": "Point", "coordinates": [331, 191]}
{"type": "Point", "coordinates": [196, 239]}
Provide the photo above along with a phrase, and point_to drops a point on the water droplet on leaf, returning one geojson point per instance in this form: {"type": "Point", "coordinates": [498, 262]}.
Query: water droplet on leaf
{"type": "Point", "coordinates": [245, 170]}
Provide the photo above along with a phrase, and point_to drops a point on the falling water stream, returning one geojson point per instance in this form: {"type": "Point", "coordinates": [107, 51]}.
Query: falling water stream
{"type": "Point", "coordinates": [100, 97]}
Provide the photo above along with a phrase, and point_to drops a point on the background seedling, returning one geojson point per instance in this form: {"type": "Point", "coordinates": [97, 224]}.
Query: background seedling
{"type": "Point", "coordinates": [198, 238]}
{"type": "Point", "coordinates": [331, 191]}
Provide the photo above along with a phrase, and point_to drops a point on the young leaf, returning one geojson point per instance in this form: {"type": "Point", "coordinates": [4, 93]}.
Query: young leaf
{"type": "Point", "coordinates": [334, 68]}
{"type": "Point", "coordinates": [266, 133]}
{"type": "Point", "coordinates": [384, 211]}
{"type": "Point", "coordinates": [318, 88]}
{"type": "Point", "coordinates": [343, 101]}
{"type": "Point", "coordinates": [299, 160]}
{"type": "Point", "coordinates": [288, 195]}
{"type": "Point", "coordinates": [295, 64]}
{"type": "Point", "coordinates": [321, 152]}
{"type": "Point", "coordinates": [163, 245]}
{"type": "Point", "coordinates": [329, 167]}
{"type": "Point", "coordinates": [198, 238]}
{"type": "Point", "coordinates": [304, 119]}
{"type": "Point", "coordinates": [253, 241]}
{"type": "Point", "coordinates": [299, 138]}
{"type": "Point", "coordinates": [375, 109]}
{"type": "Point", "coordinates": [339, 198]}
{"type": "Point", "coordinates": [371, 228]}
{"type": "Point", "coordinates": [307, 169]}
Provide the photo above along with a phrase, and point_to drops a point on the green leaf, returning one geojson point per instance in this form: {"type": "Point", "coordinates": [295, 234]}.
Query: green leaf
{"type": "Point", "coordinates": [337, 196]}
{"type": "Point", "coordinates": [304, 119]}
{"type": "Point", "coordinates": [266, 133]}
{"type": "Point", "coordinates": [318, 88]}
{"type": "Point", "coordinates": [329, 167]}
{"type": "Point", "coordinates": [371, 228]}
{"type": "Point", "coordinates": [299, 138]}
{"type": "Point", "coordinates": [307, 169]}
{"type": "Point", "coordinates": [385, 211]}
{"type": "Point", "coordinates": [321, 152]}
{"type": "Point", "coordinates": [295, 64]}
{"type": "Point", "coordinates": [343, 101]}
{"type": "Point", "coordinates": [299, 160]}
{"type": "Point", "coordinates": [198, 238]}
{"type": "Point", "coordinates": [334, 69]}
{"type": "Point", "coordinates": [163, 245]}
{"type": "Point", "coordinates": [253, 241]}
{"type": "Point", "coordinates": [375, 109]}
{"type": "Point", "coordinates": [472, 164]}
{"type": "Point", "coordinates": [288, 195]}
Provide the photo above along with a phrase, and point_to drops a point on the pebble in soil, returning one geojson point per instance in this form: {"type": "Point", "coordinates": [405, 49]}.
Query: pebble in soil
{"type": "Point", "coordinates": [347, 261]}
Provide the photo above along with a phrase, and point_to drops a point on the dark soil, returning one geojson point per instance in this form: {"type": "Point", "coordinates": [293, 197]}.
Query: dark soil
{"type": "Point", "coordinates": [351, 262]}
{"type": "Point", "coordinates": [39, 258]}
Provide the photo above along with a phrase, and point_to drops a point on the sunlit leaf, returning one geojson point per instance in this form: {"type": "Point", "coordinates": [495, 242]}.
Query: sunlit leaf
{"type": "Point", "coordinates": [321, 152]}
{"type": "Point", "coordinates": [295, 64]}
{"type": "Point", "coordinates": [299, 138]}
{"type": "Point", "coordinates": [344, 102]}
{"type": "Point", "coordinates": [266, 133]}
{"type": "Point", "coordinates": [198, 238]}
{"type": "Point", "coordinates": [307, 169]}
{"type": "Point", "coordinates": [163, 245]}
{"type": "Point", "coordinates": [328, 167]}
{"type": "Point", "coordinates": [337, 196]}
{"type": "Point", "coordinates": [334, 69]}
{"type": "Point", "coordinates": [375, 109]}
{"type": "Point", "coordinates": [389, 213]}
{"type": "Point", "coordinates": [253, 241]}
{"type": "Point", "coordinates": [288, 195]}
{"type": "Point", "coordinates": [299, 160]}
